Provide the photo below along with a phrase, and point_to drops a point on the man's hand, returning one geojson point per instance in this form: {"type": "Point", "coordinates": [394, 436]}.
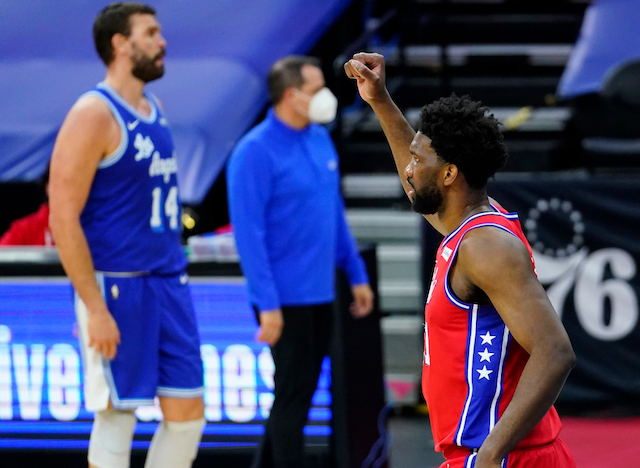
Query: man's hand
{"type": "Point", "coordinates": [368, 70]}
{"type": "Point", "coordinates": [271, 323]}
{"type": "Point", "coordinates": [103, 333]}
{"type": "Point", "coordinates": [362, 303]}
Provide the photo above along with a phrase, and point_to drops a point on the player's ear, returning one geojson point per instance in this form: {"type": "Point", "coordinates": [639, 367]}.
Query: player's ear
{"type": "Point", "coordinates": [450, 174]}
{"type": "Point", "coordinates": [118, 42]}
{"type": "Point", "coordinates": [289, 93]}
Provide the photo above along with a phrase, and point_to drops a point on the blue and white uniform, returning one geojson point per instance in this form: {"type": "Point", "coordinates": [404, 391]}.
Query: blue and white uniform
{"type": "Point", "coordinates": [132, 224]}
{"type": "Point", "coordinates": [132, 216]}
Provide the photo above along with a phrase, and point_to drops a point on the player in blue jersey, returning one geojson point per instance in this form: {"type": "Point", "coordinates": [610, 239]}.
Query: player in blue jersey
{"type": "Point", "coordinates": [115, 215]}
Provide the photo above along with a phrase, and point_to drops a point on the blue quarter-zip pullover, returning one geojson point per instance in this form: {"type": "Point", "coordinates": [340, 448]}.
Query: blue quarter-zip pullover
{"type": "Point", "coordinates": [288, 215]}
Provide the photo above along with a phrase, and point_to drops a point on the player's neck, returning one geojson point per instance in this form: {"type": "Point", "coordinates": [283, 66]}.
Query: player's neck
{"type": "Point", "coordinates": [459, 206]}
{"type": "Point", "coordinates": [128, 87]}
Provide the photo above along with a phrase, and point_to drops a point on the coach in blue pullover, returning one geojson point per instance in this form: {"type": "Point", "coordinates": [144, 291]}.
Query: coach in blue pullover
{"type": "Point", "coordinates": [289, 222]}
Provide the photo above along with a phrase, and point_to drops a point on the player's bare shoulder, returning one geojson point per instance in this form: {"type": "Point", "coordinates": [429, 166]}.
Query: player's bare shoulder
{"type": "Point", "coordinates": [90, 110]}
{"type": "Point", "coordinates": [90, 120]}
{"type": "Point", "coordinates": [492, 252]}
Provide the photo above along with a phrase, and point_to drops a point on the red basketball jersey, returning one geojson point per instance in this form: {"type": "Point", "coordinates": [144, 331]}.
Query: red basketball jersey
{"type": "Point", "coordinates": [472, 364]}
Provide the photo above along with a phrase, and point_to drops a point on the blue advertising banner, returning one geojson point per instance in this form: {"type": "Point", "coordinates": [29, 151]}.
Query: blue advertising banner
{"type": "Point", "coordinates": [41, 396]}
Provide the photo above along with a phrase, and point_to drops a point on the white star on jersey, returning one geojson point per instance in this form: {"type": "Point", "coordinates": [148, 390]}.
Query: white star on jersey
{"type": "Point", "coordinates": [485, 355]}
{"type": "Point", "coordinates": [484, 372]}
{"type": "Point", "coordinates": [487, 338]}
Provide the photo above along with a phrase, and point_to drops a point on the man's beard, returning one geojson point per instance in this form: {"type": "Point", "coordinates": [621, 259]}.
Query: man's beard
{"type": "Point", "coordinates": [427, 201]}
{"type": "Point", "coordinates": [145, 68]}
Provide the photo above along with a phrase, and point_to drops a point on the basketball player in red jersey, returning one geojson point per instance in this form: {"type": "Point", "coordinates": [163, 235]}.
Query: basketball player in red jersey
{"type": "Point", "coordinates": [496, 354]}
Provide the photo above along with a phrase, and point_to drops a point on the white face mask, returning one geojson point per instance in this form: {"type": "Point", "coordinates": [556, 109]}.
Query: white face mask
{"type": "Point", "coordinates": [323, 106]}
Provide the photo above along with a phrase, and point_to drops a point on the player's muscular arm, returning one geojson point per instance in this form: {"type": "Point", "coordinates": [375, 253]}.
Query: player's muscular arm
{"type": "Point", "coordinates": [88, 133]}
{"type": "Point", "coordinates": [499, 264]}
{"type": "Point", "coordinates": [369, 72]}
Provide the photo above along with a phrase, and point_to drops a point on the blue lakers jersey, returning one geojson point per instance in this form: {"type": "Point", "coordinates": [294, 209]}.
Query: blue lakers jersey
{"type": "Point", "coordinates": [132, 216]}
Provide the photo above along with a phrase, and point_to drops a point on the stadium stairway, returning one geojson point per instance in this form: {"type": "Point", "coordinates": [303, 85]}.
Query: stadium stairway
{"type": "Point", "coordinates": [508, 54]}
{"type": "Point", "coordinates": [396, 232]}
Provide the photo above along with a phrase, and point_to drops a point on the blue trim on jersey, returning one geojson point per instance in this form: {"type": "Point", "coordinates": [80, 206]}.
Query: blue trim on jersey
{"type": "Point", "coordinates": [471, 340]}
{"type": "Point", "coordinates": [114, 94]}
{"type": "Point", "coordinates": [464, 223]}
{"type": "Point", "coordinates": [124, 134]}
{"type": "Point", "coordinates": [116, 401]}
{"type": "Point", "coordinates": [487, 347]}
{"type": "Point", "coordinates": [125, 196]}
{"type": "Point", "coordinates": [510, 216]}
{"type": "Point", "coordinates": [506, 215]}
{"type": "Point", "coordinates": [506, 341]}
{"type": "Point", "coordinates": [156, 101]}
{"type": "Point", "coordinates": [499, 226]}
{"type": "Point", "coordinates": [454, 300]}
{"type": "Point", "coordinates": [470, 461]}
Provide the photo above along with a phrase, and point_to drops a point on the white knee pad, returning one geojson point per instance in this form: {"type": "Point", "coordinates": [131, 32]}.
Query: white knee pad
{"type": "Point", "coordinates": [175, 444]}
{"type": "Point", "coordinates": [111, 435]}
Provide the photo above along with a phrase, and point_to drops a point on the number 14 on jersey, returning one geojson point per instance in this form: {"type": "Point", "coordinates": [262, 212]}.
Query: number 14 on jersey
{"type": "Point", "coordinates": [171, 209]}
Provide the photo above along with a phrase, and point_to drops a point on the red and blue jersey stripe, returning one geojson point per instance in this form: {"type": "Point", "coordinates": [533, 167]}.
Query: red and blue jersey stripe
{"type": "Point", "coordinates": [472, 363]}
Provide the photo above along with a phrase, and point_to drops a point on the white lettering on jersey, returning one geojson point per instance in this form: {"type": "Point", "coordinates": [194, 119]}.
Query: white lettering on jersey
{"type": "Point", "coordinates": [145, 147]}
{"type": "Point", "coordinates": [163, 167]}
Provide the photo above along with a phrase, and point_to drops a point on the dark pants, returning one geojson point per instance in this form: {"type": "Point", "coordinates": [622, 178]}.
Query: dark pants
{"type": "Point", "coordinates": [298, 357]}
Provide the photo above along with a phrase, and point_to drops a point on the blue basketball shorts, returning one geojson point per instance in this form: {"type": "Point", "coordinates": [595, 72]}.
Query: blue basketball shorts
{"type": "Point", "coordinates": [159, 353]}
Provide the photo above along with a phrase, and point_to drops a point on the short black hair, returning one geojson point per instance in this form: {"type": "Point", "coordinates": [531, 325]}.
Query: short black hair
{"type": "Point", "coordinates": [287, 73]}
{"type": "Point", "coordinates": [114, 19]}
{"type": "Point", "coordinates": [464, 133]}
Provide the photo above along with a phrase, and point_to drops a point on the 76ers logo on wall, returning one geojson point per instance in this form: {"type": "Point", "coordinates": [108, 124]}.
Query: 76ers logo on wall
{"type": "Point", "coordinates": [606, 305]}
